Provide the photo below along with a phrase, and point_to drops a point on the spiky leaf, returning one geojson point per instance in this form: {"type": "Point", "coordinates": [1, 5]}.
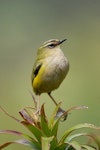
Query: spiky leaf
{"type": "Point", "coordinates": [44, 123]}
{"type": "Point", "coordinates": [79, 126]}
{"type": "Point", "coordinates": [21, 141]}
{"type": "Point", "coordinates": [34, 130]}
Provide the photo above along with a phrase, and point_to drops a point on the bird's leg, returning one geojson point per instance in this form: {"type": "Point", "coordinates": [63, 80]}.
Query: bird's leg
{"type": "Point", "coordinates": [52, 99]}
{"type": "Point", "coordinates": [60, 110]}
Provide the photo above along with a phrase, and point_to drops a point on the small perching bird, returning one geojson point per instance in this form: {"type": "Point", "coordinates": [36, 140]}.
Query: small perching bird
{"type": "Point", "coordinates": [50, 68]}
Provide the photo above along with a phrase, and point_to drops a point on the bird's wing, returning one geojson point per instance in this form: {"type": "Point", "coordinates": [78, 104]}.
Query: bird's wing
{"type": "Point", "coordinates": [35, 71]}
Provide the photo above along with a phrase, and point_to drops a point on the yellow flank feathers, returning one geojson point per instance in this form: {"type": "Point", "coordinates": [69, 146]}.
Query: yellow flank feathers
{"type": "Point", "coordinates": [38, 80]}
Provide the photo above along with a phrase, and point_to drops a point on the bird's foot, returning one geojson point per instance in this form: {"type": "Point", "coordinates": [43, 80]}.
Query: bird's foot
{"type": "Point", "coordinates": [62, 113]}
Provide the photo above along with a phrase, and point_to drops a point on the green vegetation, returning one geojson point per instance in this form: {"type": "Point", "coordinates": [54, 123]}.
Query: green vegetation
{"type": "Point", "coordinates": [45, 132]}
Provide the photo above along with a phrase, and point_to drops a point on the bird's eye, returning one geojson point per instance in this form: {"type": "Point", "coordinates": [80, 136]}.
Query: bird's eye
{"type": "Point", "coordinates": [51, 45]}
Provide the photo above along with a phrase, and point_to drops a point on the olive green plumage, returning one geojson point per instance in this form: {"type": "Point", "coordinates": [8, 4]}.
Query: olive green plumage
{"type": "Point", "coordinates": [50, 67]}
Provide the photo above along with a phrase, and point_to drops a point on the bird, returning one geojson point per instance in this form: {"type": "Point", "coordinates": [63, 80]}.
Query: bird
{"type": "Point", "coordinates": [50, 68]}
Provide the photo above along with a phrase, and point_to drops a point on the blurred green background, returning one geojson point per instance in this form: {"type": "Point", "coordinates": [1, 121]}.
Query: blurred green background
{"type": "Point", "coordinates": [24, 25]}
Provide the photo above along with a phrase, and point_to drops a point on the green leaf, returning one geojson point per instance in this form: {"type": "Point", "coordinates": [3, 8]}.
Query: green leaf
{"type": "Point", "coordinates": [15, 133]}
{"type": "Point", "coordinates": [21, 141]}
{"type": "Point", "coordinates": [54, 123]}
{"type": "Point", "coordinates": [34, 130]}
{"type": "Point", "coordinates": [75, 145]}
{"type": "Point", "coordinates": [19, 134]}
{"type": "Point", "coordinates": [44, 123]}
{"type": "Point", "coordinates": [53, 144]}
{"type": "Point", "coordinates": [79, 126]}
{"type": "Point", "coordinates": [46, 142]}
{"type": "Point", "coordinates": [53, 120]}
{"type": "Point", "coordinates": [55, 129]}
{"type": "Point", "coordinates": [62, 147]}
{"type": "Point", "coordinates": [88, 147]}
{"type": "Point", "coordinates": [71, 137]}
{"type": "Point", "coordinates": [93, 137]}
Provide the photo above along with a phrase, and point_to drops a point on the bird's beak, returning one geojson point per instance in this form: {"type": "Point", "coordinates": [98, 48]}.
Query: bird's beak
{"type": "Point", "coordinates": [61, 41]}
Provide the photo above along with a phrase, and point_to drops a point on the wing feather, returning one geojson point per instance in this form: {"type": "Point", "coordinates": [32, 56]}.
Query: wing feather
{"type": "Point", "coordinates": [35, 71]}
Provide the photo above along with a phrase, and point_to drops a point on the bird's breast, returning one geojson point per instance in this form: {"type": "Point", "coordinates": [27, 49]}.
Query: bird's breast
{"type": "Point", "coordinates": [51, 73]}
